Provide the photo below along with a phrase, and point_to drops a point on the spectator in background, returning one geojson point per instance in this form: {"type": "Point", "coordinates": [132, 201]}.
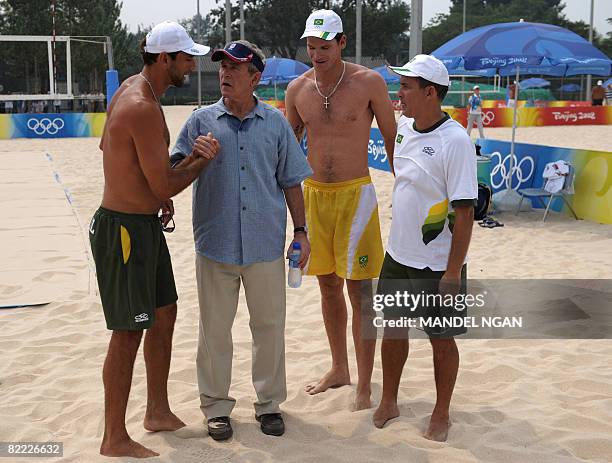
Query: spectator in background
{"type": "Point", "coordinates": [609, 95]}
{"type": "Point", "coordinates": [512, 92]}
{"type": "Point", "coordinates": [474, 108]}
{"type": "Point", "coordinates": [598, 94]}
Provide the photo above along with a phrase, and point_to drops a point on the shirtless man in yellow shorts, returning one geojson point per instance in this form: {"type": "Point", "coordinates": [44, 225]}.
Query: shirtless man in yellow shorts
{"type": "Point", "coordinates": [335, 102]}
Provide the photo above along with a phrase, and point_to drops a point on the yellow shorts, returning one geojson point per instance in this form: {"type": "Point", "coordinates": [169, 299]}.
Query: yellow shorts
{"type": "Point", "coordinates": [343, 229]}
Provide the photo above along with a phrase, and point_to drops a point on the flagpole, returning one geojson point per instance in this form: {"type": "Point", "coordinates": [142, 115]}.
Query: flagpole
{"type": "Point", "coordinates": [199, 58]}
{"type": "Point", "coordinates": [228, 21]}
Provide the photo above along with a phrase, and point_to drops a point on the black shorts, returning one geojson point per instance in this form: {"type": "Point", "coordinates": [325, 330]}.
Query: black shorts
{"type": "Point", "coordinates": [133, 268]}
{"type": "Point", "coordinates": [425, 282]}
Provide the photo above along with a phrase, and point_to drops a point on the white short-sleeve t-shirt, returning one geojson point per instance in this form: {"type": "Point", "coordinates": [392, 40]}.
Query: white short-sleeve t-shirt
{"type": "Point", "coordinates": [433, 169]}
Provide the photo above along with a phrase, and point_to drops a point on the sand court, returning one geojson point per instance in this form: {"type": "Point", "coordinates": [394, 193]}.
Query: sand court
{"type": "Point", "coordinates": [42, 242]}
{"type": "Point", "coordinates": [515, 400]}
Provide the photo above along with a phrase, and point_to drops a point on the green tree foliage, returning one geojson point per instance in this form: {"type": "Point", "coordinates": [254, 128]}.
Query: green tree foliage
{"type": "Point", "coordinates": [606, 43]}
{"type": "Point", "coordinates": [19, 60]}
{"type": "Point", "coordinates": [74, 18]}
{"type": "Point", "coordinates": [274, 24]}
{"type": "Point", "coordinates": [384, 27]}
{"type": "Point", "coordinates": [278, 24]}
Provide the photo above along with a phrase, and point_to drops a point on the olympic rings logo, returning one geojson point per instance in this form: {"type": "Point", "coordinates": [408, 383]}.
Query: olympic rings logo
{"type": "Point", "coordinates": [45, 125]}
{"type": "Point", "coordinates": [488, 117]}
{"type": "Point", "coordinates": [517, 169]}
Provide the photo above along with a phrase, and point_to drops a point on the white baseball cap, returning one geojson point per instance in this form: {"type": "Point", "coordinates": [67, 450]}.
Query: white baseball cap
{"type": "Point", "coordinates": [476, 87]}
{"type": "Point", "coordinates": [323, 24]}
{"type": "Point", "coordinates": [600, 82]}
{"type": "Point", "coordinates": [426, 66]}
{"type": "Point", "coordinates": [170, 37]}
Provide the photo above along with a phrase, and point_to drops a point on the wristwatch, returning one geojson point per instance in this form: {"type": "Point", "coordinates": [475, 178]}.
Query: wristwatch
{"type": "Point", "coordinates": [303, 229]}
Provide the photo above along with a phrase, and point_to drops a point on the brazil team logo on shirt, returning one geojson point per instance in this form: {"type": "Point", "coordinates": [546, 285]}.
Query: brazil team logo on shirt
{"type": "Point", "coordinates": [399, 138]}
{"type": "Point", "coordinates": [318, 22]}
{"type": "Point", "coordinates": [363, 261]}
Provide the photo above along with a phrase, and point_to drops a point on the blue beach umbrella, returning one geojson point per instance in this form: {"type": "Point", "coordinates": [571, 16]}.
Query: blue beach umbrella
{"type": "Point", "coordinates": [533, 47]}
{"type": "Point", "coordinates": [570, 88]}
{"type": "Point", "coordinates": [389, 76]}
{"type": "Point", "coordinates": [281, 71]}
{"type": "Point", "coordinates": [527, 48]}
{"type": "Point", "coordinates": [534, 82]}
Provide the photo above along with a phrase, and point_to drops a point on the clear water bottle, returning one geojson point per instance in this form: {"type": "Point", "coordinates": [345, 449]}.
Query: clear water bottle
{"type": "Point", "coordinates": [294, 277]}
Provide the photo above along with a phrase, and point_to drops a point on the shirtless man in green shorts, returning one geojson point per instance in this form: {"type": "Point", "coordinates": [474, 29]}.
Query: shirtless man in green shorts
{"type": "Point", "coordinates": [132, 261]}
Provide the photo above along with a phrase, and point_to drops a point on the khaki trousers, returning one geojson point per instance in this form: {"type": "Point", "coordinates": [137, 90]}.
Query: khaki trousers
{"type": "Point", "coordinates": [218, 288]}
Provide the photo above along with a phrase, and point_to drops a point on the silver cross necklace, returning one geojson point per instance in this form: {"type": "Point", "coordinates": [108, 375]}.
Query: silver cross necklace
{"type": "Point", "coordinates": [326, 102]}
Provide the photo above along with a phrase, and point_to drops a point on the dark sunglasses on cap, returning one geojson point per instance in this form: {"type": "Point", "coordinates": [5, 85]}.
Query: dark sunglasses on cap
{"type": "Point", "coordinates": [238, 53]}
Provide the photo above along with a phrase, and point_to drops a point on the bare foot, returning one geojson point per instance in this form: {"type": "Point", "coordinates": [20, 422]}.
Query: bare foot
{"type": "Point", "coordinates": [438, 429]}
{"type": "Point", "coordinates": [332, 378]}
{"type": "Point", "coordinates": [384, 413]}
{"type": "Point", "coordinates": [362, 401]}
{"type": "Point", "coordinates": [126, 448]}
{"type": "Point", "coordinates": [162, 422]}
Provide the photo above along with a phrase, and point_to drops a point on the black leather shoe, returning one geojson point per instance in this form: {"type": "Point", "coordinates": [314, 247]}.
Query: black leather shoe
{"type": "Point", "coordinates": [220, 428]}
{"type": "Point", "coordinates": [272, 424]}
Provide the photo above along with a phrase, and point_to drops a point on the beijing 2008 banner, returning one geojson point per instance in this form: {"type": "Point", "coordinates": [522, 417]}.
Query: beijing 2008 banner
{"type": "Point", "coordinates": [593, 180]}
{"type": "Point", "coordinates": [537, 117]}
{"type": "Point", "coordinates": [51, 125]}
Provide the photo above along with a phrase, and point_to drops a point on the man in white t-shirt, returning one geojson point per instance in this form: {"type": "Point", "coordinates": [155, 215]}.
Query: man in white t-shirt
{"type": "Point", "coordinates": [433, 212]}
{"type": "Point", "coordinates": [474, 108]}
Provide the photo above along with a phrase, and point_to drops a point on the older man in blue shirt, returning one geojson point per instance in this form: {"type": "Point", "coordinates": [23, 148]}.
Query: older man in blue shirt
{"type": "Point", "coordinates": [239, 224]}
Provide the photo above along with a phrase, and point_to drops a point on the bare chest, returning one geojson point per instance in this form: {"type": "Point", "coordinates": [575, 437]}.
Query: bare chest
{"type": "Point", "coordinates": [348, 106]}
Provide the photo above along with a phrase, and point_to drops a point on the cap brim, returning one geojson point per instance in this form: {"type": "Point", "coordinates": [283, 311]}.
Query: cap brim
{"type": "Point", "coordinates": [403, 71]}
{"type": "Point", "coordinates": [219, 54]}
{"type": "Point", "coordinates": [197, 50]}
{"type": "Point", "coordinates": [408, 73]}
{"type": "Point", "coordinates": [320, 35]}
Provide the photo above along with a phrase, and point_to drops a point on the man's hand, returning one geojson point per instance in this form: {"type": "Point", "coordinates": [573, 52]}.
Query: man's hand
{"type": "Point", "coordinates": [206, 146]}
{"type": "Point", "coordinates": [302, 238]}
{"type": "Point", "coordinates": [167, 211]}
{"type": "Point", "coordinates": [450, 283]}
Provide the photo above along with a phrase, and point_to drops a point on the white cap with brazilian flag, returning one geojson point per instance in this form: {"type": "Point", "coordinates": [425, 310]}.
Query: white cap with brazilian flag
{"type": "Point", "coordinates": [323, 24]}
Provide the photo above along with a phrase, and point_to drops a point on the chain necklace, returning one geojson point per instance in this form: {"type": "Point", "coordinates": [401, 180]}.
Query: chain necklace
{"type": "Point", "coordinates": [151, 87]}
{"type": "Point", "coordinates": [326, 103]}
{"type": "Point", "coordinates": [166, 132]}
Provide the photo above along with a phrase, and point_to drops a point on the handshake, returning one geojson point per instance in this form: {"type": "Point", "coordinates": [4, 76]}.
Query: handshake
{"type": "Point", "coordinates": [206, 147]}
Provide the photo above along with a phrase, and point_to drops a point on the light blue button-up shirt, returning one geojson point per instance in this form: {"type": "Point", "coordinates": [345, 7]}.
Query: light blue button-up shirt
{"type": "Point", "coordinates": [239, 209]}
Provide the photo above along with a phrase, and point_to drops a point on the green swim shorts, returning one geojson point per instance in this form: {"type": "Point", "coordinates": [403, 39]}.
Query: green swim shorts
{"type": "Point", "coordinates": [422, 283]}
{"type": "Point", "coordinates": [133, 268]}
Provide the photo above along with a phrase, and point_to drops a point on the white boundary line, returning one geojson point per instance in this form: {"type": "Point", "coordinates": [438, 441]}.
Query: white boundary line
{"type": "Point", "coordinates": [92, 268]}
